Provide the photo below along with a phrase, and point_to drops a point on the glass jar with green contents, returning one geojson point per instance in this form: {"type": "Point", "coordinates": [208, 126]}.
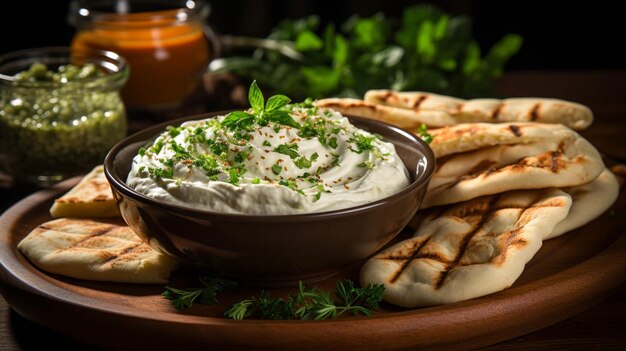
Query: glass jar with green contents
{"type": "Point", "coordinates": [60, 112]}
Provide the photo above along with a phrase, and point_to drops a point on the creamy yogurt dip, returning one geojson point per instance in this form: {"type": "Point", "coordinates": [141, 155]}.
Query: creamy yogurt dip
{"type": "Point", "coordinates": [293, 159]}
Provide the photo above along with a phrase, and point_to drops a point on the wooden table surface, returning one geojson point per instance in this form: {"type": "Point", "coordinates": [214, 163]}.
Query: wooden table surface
{"type": "Point", "coordinates": [602, 327]}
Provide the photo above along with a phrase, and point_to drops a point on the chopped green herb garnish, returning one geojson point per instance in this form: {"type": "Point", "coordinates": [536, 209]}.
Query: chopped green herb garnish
{"type": "Point", "coordinates": [241, 156]}
{"type": "Point", "coordinates": [180, 152]}
{"type": "Point", "coordinates": [291, 184]}
{"type": "Point", "coordinates": [423, 133]}
{"type": "Point", "coordinates": [303, 162]}
{"type": "Point", "coordinates": [160, 173]}
{"type": "Point", "coordinates": [217, 147]}
{"type": "Point", "coordinates": [173, 131]}
{"type": "Point", "coordinates": [256, 181]}
{"type": "Point", "coordinates": [317, 196]}
{"type": "Point", "coordinates": [267, 143]}
{"type": "Point", "coordinates": [332, 142]}
{"type": "Point", "coordinates": [207, 163]}
{"type": "Point", "coordinates": [142, 151]}
{"type": "Point", "coordinates": [288, 150]}
{"type": "Point", "coordinates": [366, 164]}
{"type": "Point", "coordinates": [276, 169]}
{"type": "Point", "coordinates": [363, 142]}
{"type": "Point", "coordinates": [156, 148]}
{"type": "Point", "coordinates": [234, 174]}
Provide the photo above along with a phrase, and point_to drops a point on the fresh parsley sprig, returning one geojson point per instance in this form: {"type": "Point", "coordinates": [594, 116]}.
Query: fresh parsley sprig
{"type": "Point", "coordinates": [311, 304]}
{"type": "Point", "coordinates": [205, 295]}
{"type": "Point", "coordinates": [263, 112]}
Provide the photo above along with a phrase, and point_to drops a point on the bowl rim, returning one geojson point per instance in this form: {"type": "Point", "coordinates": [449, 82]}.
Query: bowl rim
{"type": "Point", "coordinates": [146, 134]}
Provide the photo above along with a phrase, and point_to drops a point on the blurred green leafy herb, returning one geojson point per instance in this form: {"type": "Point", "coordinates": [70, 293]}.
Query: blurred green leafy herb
{"type": "Point", "coordinates": [427, 49]}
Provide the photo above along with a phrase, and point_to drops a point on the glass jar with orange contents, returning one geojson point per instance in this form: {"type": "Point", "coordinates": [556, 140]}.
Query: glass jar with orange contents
{"type": "Point", "coordinates": [163, 42]}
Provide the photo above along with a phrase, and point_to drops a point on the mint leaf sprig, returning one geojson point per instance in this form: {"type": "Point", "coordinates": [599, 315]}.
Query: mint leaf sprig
{"type": "Point", "coordinates": [263, 112]}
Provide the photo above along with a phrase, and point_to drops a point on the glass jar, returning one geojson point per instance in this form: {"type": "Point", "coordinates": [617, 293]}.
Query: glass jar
{"type": "Point", "coordinates": [163, 41]}
{"type": "Point", "coordinates": [54, 129]}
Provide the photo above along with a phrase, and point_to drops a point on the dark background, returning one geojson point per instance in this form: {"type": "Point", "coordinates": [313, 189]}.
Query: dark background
{"type": "Point", "coordinates": [558, 36]}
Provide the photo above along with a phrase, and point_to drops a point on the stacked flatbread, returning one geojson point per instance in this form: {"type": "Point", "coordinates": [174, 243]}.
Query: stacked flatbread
{"type": "Point", "coordinates": [90, 249]}
{"type": "Point", "coordinates": [90, 198]}
{"type": "Point", "coordinates": [498, 191]}
{"type": "Point", "coordinates": [410, 109]}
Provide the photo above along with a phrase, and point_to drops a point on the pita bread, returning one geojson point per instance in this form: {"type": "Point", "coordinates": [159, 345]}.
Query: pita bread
{"type": "Point", "coordinates": [92, 250]}
{"type": "Point", "coordinates": [90, 198]}
{"type": "Point", "coordinates": [563, 161]}
{"type": "Point", "coordinates": [472, 136]}
{"type": "Point", "coordinates": [400, 117]}
{"type": "Point", "coordinates": [589, 202]}
{"type": "Point", "coordinates": [571, 114]}
{"type": "Point", "coordinates": [467, 250]}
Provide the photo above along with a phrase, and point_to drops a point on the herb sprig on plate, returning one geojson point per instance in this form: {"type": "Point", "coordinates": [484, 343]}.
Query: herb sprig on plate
{"type": "Point", "coordinates": [205, 295]}
{"type": "Point", "coordinates": [309, 304]}
{"type": "Point", "coordinates": [312, 304]}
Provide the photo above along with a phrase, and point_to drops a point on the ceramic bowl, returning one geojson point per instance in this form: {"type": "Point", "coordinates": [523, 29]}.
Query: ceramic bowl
{"type": "Point", "coordinates": [271, 250]}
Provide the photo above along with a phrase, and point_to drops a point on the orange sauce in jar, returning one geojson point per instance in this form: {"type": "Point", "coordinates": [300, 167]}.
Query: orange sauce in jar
{"type": "Point", "coordinates": [166, 50]}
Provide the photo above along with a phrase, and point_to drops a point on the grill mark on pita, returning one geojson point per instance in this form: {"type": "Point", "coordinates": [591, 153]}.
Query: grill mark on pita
{"type": "Point", "coordinates": [515, 130]}
{"type": "Point", "coordinates": [482, 167]}
{"type": "Point", "coordinates": [511, 239]}
{"type": "Point", "coordinates": [534, 112]}
{"type": "Point", "coordinates": [96, 232]}
{"type": "Point", "coordinates": [551, 160]}
{"type": "Point", "coordinates": [554, 161]}
{"type": "Point", "coordinates": [496, 112]}
{"type": "Point", "coordinates": [386, 96]}
{"type": "Point", "coordinates": [108, 257]}
{"type": "Point", "coordinates": [410, 259]}
{"type": "Point", "coordinates": [465, 242]}
{"type": "Point", "coordinates": [419, 101]}
{"type": "Point", "coordinates": [457, 109]}
{"type": "Point", "coordinates": [485, 209]}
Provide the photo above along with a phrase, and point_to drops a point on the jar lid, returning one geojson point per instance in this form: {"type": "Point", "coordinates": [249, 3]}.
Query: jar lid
{"type": "Point", "coordinates": [136, 13]}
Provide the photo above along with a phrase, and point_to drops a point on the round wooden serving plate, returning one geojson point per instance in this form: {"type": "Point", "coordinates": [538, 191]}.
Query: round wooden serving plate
{"type": "Point", "coordinates": [568, 275]}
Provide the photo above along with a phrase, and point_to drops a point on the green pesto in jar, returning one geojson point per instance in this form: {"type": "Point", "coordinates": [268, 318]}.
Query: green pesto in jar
{"type": "Point", "coordinates": [54, 124]}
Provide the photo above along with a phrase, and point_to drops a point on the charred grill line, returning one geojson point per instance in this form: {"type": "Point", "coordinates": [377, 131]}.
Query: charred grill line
{"type": "Point", "coordinates": [466, 239]}
{"type": "Point", "coordinates": [496, 112]}
{"type": "Point", "coordinates": [510, 239]}
{"type": "Point", "coordinates": [534, 112]}
{"type": "Point", "coordinates": [419, 101]}
{"type": "Point", "coordinates": [124, 252]}
{"type": "Point", "coordinates": [410, 259]}
{"type": "Point", "coordinates": [554, 161]}
{"type": "Point", "coordinates": [515, 130]}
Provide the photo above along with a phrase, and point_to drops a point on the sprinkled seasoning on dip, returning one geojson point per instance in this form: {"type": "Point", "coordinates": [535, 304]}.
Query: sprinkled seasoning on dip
{"type": "Point", "coordinates": [276, 158]}
{"type": "Point", "coordinates": [55, 123]}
